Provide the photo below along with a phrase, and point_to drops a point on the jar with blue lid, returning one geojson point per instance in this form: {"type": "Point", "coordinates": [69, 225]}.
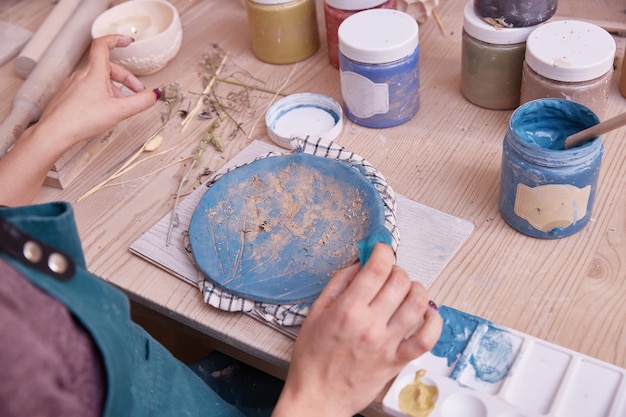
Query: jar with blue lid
{"type": "Point", "coordinates": [547, 191]}
{"type": "Point", "coordinates": [379, 67]}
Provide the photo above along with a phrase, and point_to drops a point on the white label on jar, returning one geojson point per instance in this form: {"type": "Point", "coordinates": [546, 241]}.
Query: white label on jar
{"type": "Point", "coordinates": [364, 98]}
{"type": "Point", "coordinates": [551, 206]}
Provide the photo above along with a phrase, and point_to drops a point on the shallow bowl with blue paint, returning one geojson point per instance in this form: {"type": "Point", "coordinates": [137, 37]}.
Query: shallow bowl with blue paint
{"type": "Point", "coordinates": [276, 229]}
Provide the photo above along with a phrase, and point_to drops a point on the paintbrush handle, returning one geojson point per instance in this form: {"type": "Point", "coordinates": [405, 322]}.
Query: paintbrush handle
{"type": "Point", "coordinates": [595, 130]}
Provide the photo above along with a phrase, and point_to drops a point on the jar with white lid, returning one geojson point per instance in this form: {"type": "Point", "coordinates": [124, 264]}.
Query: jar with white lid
{"type": "Point", "coordinates": [491, 62]}
{"type": "Point", "coordinates": [379, 67]}
{"type": "Point", "coordinates": [283, 31]}
{"type": "Point", "coordinates": [336, 11]}
{"type": "Point", "coordinates": [569, 59]}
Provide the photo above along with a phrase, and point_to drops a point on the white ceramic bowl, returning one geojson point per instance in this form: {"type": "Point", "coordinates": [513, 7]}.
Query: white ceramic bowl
{"type": "Point", "coordinates": [154, 24]}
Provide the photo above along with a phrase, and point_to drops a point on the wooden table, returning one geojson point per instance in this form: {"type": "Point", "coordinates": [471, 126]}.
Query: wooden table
{"type": "Point", "coordinates": [569, 291]}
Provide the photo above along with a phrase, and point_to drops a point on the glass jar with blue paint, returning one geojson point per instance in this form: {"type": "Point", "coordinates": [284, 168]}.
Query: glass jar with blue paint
{"type": "Point", "coordinates": [379, 67]}
{"type": "Point", "coordinates": [547, 191]}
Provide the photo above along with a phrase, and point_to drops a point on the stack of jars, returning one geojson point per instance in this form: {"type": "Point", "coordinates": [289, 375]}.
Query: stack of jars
{"type": "Point", "coordinates": [494, 48]}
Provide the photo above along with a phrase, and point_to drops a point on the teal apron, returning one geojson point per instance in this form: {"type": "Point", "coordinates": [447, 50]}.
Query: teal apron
{"type": "Point", "coordinates": [143, 378]}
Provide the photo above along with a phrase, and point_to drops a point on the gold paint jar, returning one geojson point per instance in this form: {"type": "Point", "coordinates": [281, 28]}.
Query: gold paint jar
{"type": "Point", "coordinates": [283, 31]}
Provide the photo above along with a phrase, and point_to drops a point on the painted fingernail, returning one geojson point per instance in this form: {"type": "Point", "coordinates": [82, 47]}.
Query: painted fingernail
{"type": "Point", "coordinates": [158, 93]}
{"type": "Point", "coordinates": [433, 305]}
{"type": "Point", "coordinates": [132, 39]}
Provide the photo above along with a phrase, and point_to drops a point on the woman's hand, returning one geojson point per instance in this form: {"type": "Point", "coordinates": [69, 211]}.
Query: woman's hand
{"type": "Point", "coordinates": [87, 104]}
{"type": "Point", "coordinates": [364, 327]}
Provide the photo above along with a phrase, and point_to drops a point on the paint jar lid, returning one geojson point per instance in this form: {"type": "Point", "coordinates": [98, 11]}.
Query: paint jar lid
{"type": "Point", "coordinates": [570, 51]}
{"type": "Point", "coordinates": [478, 28]}
{"type": "Point", "coordinates": [301, 115]}
{"type": "Point", "coordinates": [378, 36]}
{"type": "Point", "coordinates": [355, 4]}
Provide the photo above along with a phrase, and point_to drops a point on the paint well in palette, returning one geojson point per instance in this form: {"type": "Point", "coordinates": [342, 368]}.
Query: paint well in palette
{"type": "Point", "coordinates": [464, 405]}
{"type": "Point", "coordinates": [484, 370]}
{"type": "Point", "coordinates": [538, 376]}
{"type": "Point", "coordinates": [480, 353]}
{"type": "Point", "coordinates": [585, 396]}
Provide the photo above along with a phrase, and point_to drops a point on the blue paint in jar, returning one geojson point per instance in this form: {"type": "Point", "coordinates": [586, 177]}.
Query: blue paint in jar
{"type": "Point", "coordinates": [379, 67]}
{"type": "Point", "coordinates": [547, 191]}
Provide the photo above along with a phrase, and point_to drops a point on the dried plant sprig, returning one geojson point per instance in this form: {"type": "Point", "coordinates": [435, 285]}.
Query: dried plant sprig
{"type": "Point", "coordinates": [208, 139]}
{"type": "Point", "coordinates": [164, 167]}
{"type": "Point", "coordinates": [205, 92]}
{"type": "Point", "coordinates": [253, 87]}
{"type": "Point", "coordinates": [172, 97]}
{"type": "Point", "coordinates": [224, 110]}
{"type": "Point", "coordinates": [282, 87]}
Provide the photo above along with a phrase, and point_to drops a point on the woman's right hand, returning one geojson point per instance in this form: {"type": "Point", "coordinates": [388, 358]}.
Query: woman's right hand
{"type": "Point", "coordinates": [366, 325]}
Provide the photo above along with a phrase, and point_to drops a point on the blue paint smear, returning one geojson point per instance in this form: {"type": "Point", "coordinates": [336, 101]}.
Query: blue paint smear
{"type": "Point", "coordinates": [490, 353]}
{"type": "Point", "coordinates": [493, 357]}
{"type": "Point", "coordinates": [458, 327]}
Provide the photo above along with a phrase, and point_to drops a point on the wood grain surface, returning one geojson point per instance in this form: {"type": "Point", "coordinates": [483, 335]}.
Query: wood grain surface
{"type": "Point", "coordinates": [569, 291]}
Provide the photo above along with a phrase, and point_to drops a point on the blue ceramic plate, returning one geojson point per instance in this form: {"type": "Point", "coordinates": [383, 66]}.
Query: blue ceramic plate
{"type": "Point", "coordinates": [276, 229]}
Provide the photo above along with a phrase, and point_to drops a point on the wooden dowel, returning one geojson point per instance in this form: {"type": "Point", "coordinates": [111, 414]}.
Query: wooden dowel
{"type": "Point", "coordinates": [56, 64]}
{"type": "Point", "coordinates": [595, 130]}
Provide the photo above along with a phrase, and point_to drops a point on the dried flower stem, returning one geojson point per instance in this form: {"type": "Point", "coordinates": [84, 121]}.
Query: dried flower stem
{"type": "Point", "coordinates": [171, 98]}
{"type": "Point", "coordinates": [253, 87]}
{"type": "Point", "coordinates": [282, 87]}
{"type": "Point", "coordinates": [206, 91]}
{"type": "Point", "coordinates": [209, 138]}
{"type": "Point", "coordinates": [149, 173]}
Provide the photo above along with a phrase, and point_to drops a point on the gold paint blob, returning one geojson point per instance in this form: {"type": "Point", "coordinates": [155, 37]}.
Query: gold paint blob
{"type": "Point", "coordinates": [418, 399]}
{"type": "Point", "coordinates": [283, 31]}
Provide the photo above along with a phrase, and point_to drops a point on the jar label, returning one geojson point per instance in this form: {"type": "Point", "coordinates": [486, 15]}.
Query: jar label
{"type": "Point", "coordinates": [364, 97]}
{"type": "Point", "coordinates": [551, 206]}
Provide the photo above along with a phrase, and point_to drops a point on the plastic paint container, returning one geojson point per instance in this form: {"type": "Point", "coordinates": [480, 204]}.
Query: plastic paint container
{"type": "Point", "coordinates": [491, 62]}
{"type": "Point", "coordinates": [283, 31]}
{"type": "Point", "coordinates": [379, 67]}
{"type": "Point", "coordinates": [336, 11]}
{"type": "Point", "coordinates": [301, 115]}
{"type": "Point", "coordinates": [569, 59]}
{"type": "Point", "coordinates": [547, 191]}
{"type": "Point", "coordinates": [516, 13]}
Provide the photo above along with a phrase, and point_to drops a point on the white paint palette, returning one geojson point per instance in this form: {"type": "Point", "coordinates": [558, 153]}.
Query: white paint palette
{"type": "Point", "coordinates": [484, 370]}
